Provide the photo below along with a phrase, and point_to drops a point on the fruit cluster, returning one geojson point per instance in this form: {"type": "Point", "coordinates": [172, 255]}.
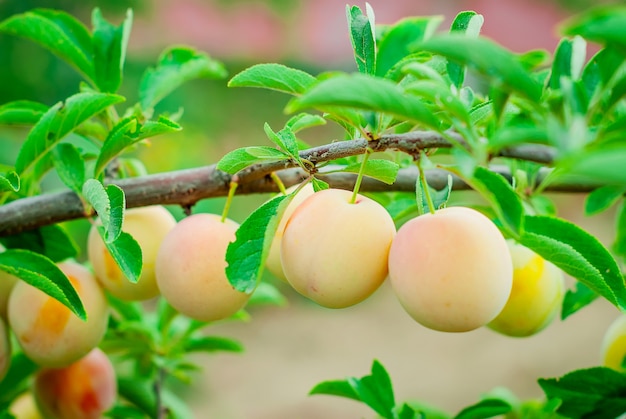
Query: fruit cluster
{"type": "Point", "coordinates": [184, 262]}
{"type": "Point", "coordinates": [452, 270]}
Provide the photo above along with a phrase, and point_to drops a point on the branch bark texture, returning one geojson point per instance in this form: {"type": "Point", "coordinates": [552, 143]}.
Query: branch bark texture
{"type": "Point", "coordinates": [186, 187]}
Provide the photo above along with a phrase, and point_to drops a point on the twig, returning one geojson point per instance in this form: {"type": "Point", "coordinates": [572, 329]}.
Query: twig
{"type": "Point", "coordinates": [186, 187]}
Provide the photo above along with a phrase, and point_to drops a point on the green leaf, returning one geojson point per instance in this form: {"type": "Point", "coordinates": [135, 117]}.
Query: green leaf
{"type": "Point", "coordinates": [603, 164]}
{"type": "Point", "coordinates": [57, 31]}
{"type": "Point", "coordinates": [362, 37]}
{"type": "Point", "coordinates": [577, 253]}
{"type": "Point", "coordinates": [139, 392]}
{"type": "Point", "coordinates": [58, 121]}
{"type": "Point", "coordinates": [619, 246]}
{"type": "Point", "coordinates": [468, 23]}
{"type": "Point", "coordinates": [304, 120]}
{"type": "Point", "coordinates": [319, 185]}
{"type": "Point", "coordinates": [212, 344]}
{"type": "Point", "coordinates": [128, 132]}
{"type": "Point", "coordinates": [51, 241]}
{"type": "Point", "coordinates": [21, 112]}
{"type": "Point", "coordinates": [70, 166]}
{"type": "Point", "coordinates": [246, 255]}
{"type": "Point", "coordinates": [340, 388]}
{"type": "Point", "coordinates": [574, 300]}
{"type": "Point", "coordinates": [364, 92]}
{"type": "Point", "coordinates": [603, 198]}
{"type": "Point", "coordinates": [441, 96]}
{"type": "Point", "coordinates": [488, 58]}
{"type": "Point", "coordinates": [604, 25]}
{"type": "Point", "coordinates": [517, 133]}
{"type": "Point", "coordinates": [439, 197]}
{"type": "Point", "coordinates": [109, 44]}
{"type": "Point", "coordinates": [9, 182]}
{"type": "Point", "coordinates": [176, 66]}
{"type": "Point", "coordinates": [274, 77]}
{"type": "Point", "coordinates": [502, 196]}
{"type": "Point", "coordinates": [285, 140]}
{"type": "Point", "coordinates": [486, 408]}
{"type": "Point", "coordinates": [568, 62]}
{"type": "Point", "coordinates": [385, 171]}
{"type": "Point", "coordinates": [127, 254]}
{"type": "Point", "coordinates": [241, 158]}
{"type": "Point", "coordinates": [109, 203]}
{"type": "Point", "coordinates": [376, 390]}
{"type": "Point", "coordinates": [597, 392]}
{"type": "Point", "coordinates": [21, 369]}
{"type": "Point", "coordinates": [398, 40]}
{"type": "Point", "coordinates": [407, 412]}
{"type": "Point", "coordinates": [44, 274]}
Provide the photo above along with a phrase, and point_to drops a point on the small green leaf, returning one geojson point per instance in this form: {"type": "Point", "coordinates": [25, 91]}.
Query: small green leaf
{"type": "Point", "coordinates": [246, 255]}
{"type": "Point", "coordinates": [577, 253]}
{"type": "Point", "coordinates": [127, 132]}
{"type": "Point", "coordinates": [319, 185]}
{"type": "Point", "coordinates": [176, 66]}
{"type": "Point", "coordinates": [241, 158]}
{"type": "Point", "coordinates": [44, 274]}
{"type": "Point", "coordinates": [285, 140]}
{"type": "Point", "coordinates": [407, 412]}
{"type": "Point", "coordinates": [604, 25]}
{"type": "Point", "coordinates": [21, 112]}
{"type": "Point", "coordinates": [376, 390]}
{"type": "Point", "coordinates": [57, 31]}
{"type": "Point", "coordinates": [274, 77]}
{"type": "Point", "coordinates": [304, 120]}
{"type": "Point", "coordinates": [340, 388]}
{"type": "Point", "coordinates": [365, 92]}
{"type": "Point", "coordinates": [362, 37]}
{"type": "Point", "coordinates": [589, 393]}
{"type": "Point", "coordinates": [574, 300]}
{"type": "Point", "coordinates": [619, 246]}
{"type": "Point", "coordinates": [70, 166]}
{"type": "Point", "coordinates": [58, 121]}
{"type": "Point", "coordinates": [385, 171]}
{"type": "Point", "coordinates": [568, 62]}
{"type": "Point", "coordinates": [494, 61]}
{"type": "Point", "coordinates": [109, 203]}
{"type": "Point", "coordinates": [139, 392]}
{"type": "Point", "coordinates": [603, 198]}
{"type": "Point", "coordinates": [127, 254]}
{"type": "Point", "coordinates": [51, 241]}
{"type": "Point", "coordinates": [212, 344]}
{"type": "Point", "coordinates": [486, 408]}
{"type": "Point", "coordinates": [109, 44]}
{"type": "Point", "coordinates": [9, 182]}
{"type": "Point", "coordinates": [502, 196]}
{"type": "Point", "coordinates": [468, 23]}
{"type": "Point", "coordinates": [398, 40]}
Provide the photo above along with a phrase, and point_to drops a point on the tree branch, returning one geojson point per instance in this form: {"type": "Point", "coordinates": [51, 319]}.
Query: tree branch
{"type": "Point", "coordinates": [186, 187]}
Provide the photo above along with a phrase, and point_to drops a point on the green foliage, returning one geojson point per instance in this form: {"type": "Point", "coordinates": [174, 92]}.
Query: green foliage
{"type": "Point", "coordinates": [410, 79]}
{"type": "Point", "coordinates": [41, 272]}
{"type": "Point", "coordinates": [247, 254]}
{"type": "Point", "coordinates": [595, 392]}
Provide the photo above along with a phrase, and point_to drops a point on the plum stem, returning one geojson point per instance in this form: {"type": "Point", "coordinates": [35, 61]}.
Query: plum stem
{"type": "Point", "coordinates": [357, 184]}
{"type": "Point", "coordinates": [278, 181]}
{"type": "Point", "coordinates": [424, 187]}
{"type": "Point", "coordinates": [229, 200]}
